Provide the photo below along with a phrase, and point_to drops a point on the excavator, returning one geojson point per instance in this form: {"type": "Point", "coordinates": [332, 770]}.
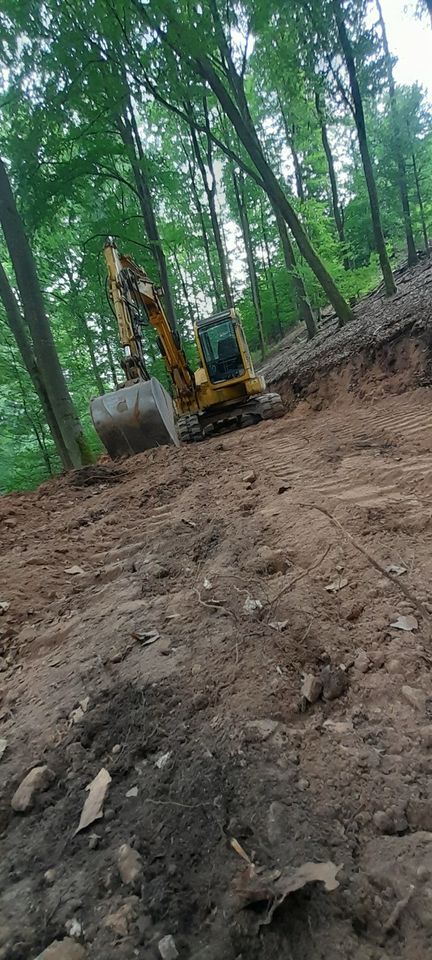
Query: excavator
{"type": "Point", "coordinates": [223, 391]}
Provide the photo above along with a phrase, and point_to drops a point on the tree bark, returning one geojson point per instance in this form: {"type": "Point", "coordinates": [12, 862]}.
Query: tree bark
{"type": "Point", "coordinates": [37, 321]}
{"type": "Point", "coordinates": [290, 139]}
{"type": "Point", "coordinates": [400, 162]}
{"type": "Point", "coordinates": [336, 205]}
{"type": "Point", "coordinates": [129, 133]}
{"type": "Point", "coordinates": [206, 243]}
{"type": "Point", "coordinates": [303, 306]}
{"type": "Point", "coordinates": [19, 332]}
{"type": "Point", "coordinates": [360, 123]}
{"type": "Point", "coordinates": [420, 203]}
{"type": "Point", "coordinates": [184, 288]}
{"type": "Point", "coordinates": [244, 221]}
{"type": "Point", "coordinates": [108, 350]}
{"type": "Point", "coordinates": [210, 191]}
{"type": "Point", "coordinates": [270, 270]}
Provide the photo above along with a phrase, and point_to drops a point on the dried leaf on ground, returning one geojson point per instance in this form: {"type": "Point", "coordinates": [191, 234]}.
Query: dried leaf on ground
{"type": "Point", "coordinates": [74, 571]}
{"type": "Point", "coordinates": [405, 623]}
{"type": "Point", "coordinates": [396, 569]}
{"type": "Point", "coordinates": [162, 760]}
{"type": "Point", "coordinates": [4, 606]}
{"type": "Point", "coordinates": [146, 637]}
{"type": "Point", "coordinates": [337, 585]}
{"type": "Point", "coordinates": [257, 885]}
{"type": "Point", "coordinates": [279, 625]}
{"type": "Point", "coordinates": [93, 806]}
{"type": "Point", "coordinates": [206, 584]}
{"type": "Point", "coordinates": [251, 606]}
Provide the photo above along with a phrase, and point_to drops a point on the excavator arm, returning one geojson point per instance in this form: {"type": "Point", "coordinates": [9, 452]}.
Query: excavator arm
{"type": "Point", "coordinates": [136, 300]}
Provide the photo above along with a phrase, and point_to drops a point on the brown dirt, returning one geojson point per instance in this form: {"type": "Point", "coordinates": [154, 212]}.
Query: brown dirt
{"type": "Point", "coordinates": [172, 541]}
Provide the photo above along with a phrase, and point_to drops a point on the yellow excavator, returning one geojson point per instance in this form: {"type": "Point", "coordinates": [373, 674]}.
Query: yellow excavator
{"type": "Point", "coordinates": [224, 390]}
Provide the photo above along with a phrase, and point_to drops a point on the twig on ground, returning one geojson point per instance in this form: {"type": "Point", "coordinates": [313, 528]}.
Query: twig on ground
{"type": "Point", "coordinates": [214, 604]}
{"type": "Point", "coordinates": [375, 563]}
{"type": "Point", "coordinates": [301, 575]}
{"type": "Point", "coordinates": [395, 914]}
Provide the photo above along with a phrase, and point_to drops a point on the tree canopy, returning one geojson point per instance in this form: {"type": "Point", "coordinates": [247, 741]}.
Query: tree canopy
{"type": "Point", "coordinates": [254, 152]}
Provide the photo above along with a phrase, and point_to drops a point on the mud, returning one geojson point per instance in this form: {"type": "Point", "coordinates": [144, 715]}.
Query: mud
{"type": "Point", "coordinates": [176, 541]}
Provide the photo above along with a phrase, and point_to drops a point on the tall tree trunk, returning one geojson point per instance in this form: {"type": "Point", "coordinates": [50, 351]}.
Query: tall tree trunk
{"type": "Point", "coordinates": [38, 324]}
{"type": "Point", "coordinates": [303, 306]}
{"type": "Point", "coordinates": [420, 203]}
{"type": "Point", "coordinates": [184, 288]}
{"type": "Point", "coordinates": [360, 123]}
{"type": "Point", "coordinates": [210, 190]}
{"type": "Point", "coordinates": [402, 180]}
{"type": "Point", "coordinates": [128, 129]}
{"type": "Point", "coordinates": [270, 270]}
{"type": "Point", "coordinates": [290, 139]}
{"type": "Point", "coordinates": [206, 243]}
{"type": "Point", "coordinates": [244, 221]}
{"type": "Point", "coordinates": [108, 350]}
{"type": "Point", "coordinates": [19, 331]}
{"type": "Point", "coordinates": [336, 205]}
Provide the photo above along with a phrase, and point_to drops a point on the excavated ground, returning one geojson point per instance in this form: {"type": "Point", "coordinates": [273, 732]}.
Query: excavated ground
{"type": "Point", "coordinates": [207, 725]}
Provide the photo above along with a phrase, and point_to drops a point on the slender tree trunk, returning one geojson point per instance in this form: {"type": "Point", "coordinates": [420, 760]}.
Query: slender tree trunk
{"type": "Point", "coordinates": [108, 350]}
{"type": "Point", "coordinates": [270, 270]}
{"type": "Point", "coordinates": [19, 331]}
{"type": "Point", "coordinates": [336, 205]}
{"type": "Point", "coordinates": [38, 324]}
{"type": "Point", "coordinates": [129, 133]}
{"type": "Point", "coordinates": [210, 190]}
{"type": "Point", "coordinates": [420, 203]}
{"type": "Point", "coordinates": [244, 220]}
{"type": "Point", "coordinates": [402, 180]}
{"type": "Point", "coordinates": [303, 306]}
{"type": "Point", "coordinates": [206, 243]}
{"type": "Point", "coordinates": [290, 139]}
{"type": "Point", "coordinates": [364, 148]}
{"type": "Point", "coordinates": [184, 288]}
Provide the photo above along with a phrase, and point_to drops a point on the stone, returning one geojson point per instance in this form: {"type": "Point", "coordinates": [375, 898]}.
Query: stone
{"type": "Point", "coordinates": [129, 864]}
{"type": "Point", "coordinates": [334, 681]}
{"type": "Point", "coordinates": [116, 749]}
{"type": "Point", "coordinates": [390, 821]}
{"type": "Point", "coordinates": [249, 477]}
{"type": "Point", "coordinates": [394, 666]}
{"type": "Point", "coordinates": [167, 948]}
{"type": "Point", "coordinates": [362, 662]}
{"type": "Point", "coordinates": [303, 783]}
{"type": "Point", "coordinates": [353, 611]}
{"type": "Point", "coordinates": [66, 949]}
{"type": "Point", "coordinates": [120, 921]}
{"type": "Point", "coordinates": [419, 815]}
{"type": "Point", "coordinates": [415, 697]}
{"type": "Point", "coordinates": [260, 730]}
{"type": "Point", "coordinates": [50, 876]}
{"type": "Point", "coordinates": [74, 928]}
{"type": "Point", "coordinates": [38, 780]}
{"type": "Point", "coordinates": [311, 688]}
{"type": "Point", "coordinates": [378, 658]}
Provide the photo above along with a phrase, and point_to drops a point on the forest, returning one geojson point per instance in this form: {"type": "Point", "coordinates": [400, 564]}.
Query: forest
{"type": "Point", "coordinates": [253, 152]}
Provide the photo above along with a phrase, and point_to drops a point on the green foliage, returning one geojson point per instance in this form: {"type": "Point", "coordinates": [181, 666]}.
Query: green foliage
{"type": "Point", "coordinates": [63, 84]}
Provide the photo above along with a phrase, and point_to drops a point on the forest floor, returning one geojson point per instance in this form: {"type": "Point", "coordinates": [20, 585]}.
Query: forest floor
{"type": "Point", "coordinates": [225, 778]}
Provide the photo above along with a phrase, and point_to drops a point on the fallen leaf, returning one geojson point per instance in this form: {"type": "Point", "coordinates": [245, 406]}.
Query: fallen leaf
{"type": "Point", "coordinates": [146, 637]}
{"type": "Point", "coordinates": [337, 585]}
{"type": "Point", "coordinates": [206, 584]}
{"type": "Point", "coordinates": [162, 761]}
{"type": "Point", "coordinates": [4, 606]}
{"type": "Point", "coordinates": [251, 606]}
{"type": "Point", "coordinates": [77, 714]}
{"type": "Point", "coordinates": [279, 624]}
{"type": "Point", "coordinates": [74, 571]}
{"type": "Point", "coordinates": [405, 623]}
{"type": "Point", "coordinates": [133, 792]}
{"type": "Point", "coordinates": [395, 568]}
{"type": "Point", "coordinates": [3, 745]}
{"type": "Point", "coordinates": [92, 809]}
{"type": "Point", "coordinates": [256, 885]}
{"type": "Point", "coordinates": [240, 850]}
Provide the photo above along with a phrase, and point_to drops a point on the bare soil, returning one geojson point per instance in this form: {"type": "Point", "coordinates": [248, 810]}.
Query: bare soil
{"type": "Point", "coordinates": [178, 542]}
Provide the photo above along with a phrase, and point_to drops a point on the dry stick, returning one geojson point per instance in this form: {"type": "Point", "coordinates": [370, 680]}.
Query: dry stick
{"type": "Point", "coordinates": [304, 573]}
{"type": "Point", "coordinates": [375, 563]}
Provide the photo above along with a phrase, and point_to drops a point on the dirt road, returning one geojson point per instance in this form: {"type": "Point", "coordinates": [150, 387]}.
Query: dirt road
{"type": "Point", "coordinates": [221, 553]}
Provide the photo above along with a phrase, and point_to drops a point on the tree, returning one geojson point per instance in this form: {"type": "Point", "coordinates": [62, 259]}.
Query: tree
{"type": "Point", "coordinates": [51, 373]}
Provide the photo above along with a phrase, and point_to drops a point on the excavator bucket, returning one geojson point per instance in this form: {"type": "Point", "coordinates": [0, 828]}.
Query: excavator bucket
{"type": "Point", "coordinates": [134, 418]}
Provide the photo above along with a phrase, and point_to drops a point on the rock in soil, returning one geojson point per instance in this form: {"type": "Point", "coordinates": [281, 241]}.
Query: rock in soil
{"type": "Point", "coordinates": [167, 948]}
{"type": "Point", "coordinates": [334, 682]}
{"type": "Point", "coordinates": [38, 780]}
{"type": "Point", "coordinates": [311, 688]}
{"type": "Point", "coordinates": [391, 821]}
{"type": "Point", "coordinates": [121, 921]}
{"type": "Point", "coordinates": [362, 662]}
{"type": "Point", "coordinates": [415, 697]}
{"type": "Point", "coordinates": [66, 949]}
{"type": "Point", "coordinates": [129, 863]}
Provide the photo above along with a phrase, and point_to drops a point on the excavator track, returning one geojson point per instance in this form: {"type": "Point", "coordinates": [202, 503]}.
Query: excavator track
{"type": "Point", "coordinates": [189, 429]}
{"type": "Point", "coordinates": [270, 406]}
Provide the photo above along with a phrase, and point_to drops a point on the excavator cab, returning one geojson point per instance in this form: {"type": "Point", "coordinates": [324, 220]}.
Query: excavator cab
{"type": "Point", "coordinates": [223, 347]}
